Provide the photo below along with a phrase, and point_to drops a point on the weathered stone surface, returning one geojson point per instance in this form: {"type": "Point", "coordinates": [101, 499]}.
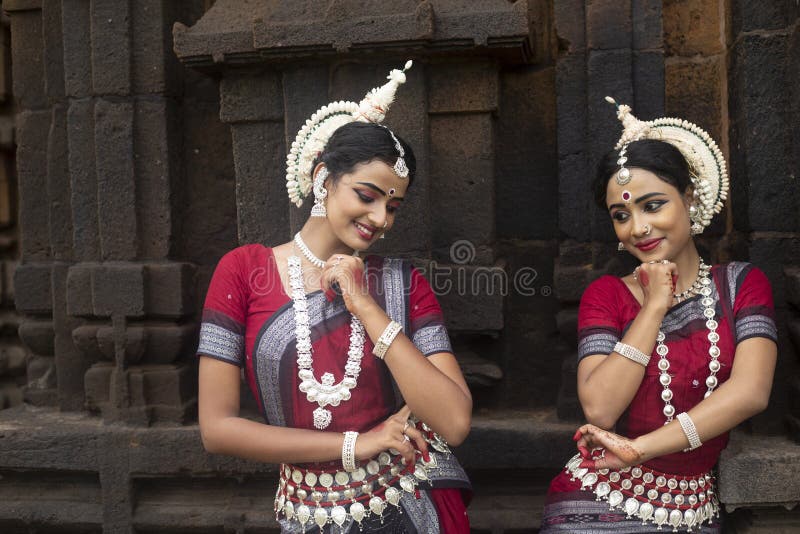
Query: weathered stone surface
{"type": "Point", "coordinates": [459, 143]}
{"type": "Point", "coordinates": [608, 24]}
{"type": "Point", "coordinates": [570, 25]}
{"type": "Point", "coordinates": [118, 289]}
{"type": "Point", "coordinates": [58, 186]}
{"type": "Point", "coordinates": [79, 289]}
{"type": "Point", "coordinates": [169, 289]}
{"type": "Point", "coordinates": [156, 166]}
{"type": "Point", "coordinates": [571, 105]}
{"type": "Point", "coordinates": [83, 180]}
{"type": "Point", "coordinates": [111, 48]}
{"type": "Point", "coordinates": [28, 61]}
{"type": "Point", "coordinates": [770, 255]}
{"type": "Point", "coordinates": [762, 137]}
{"type": "Point", "coordinates": [527, 113]}
{"type": "Point", "coordinates": [753, 470]}
{"type": "Point", "coordinates": [253, 97]}
{"type": "Point", "coordinates": [462, 87]}
{"type": "Point", "coordinates": [32, 287]}
{"type": "Point", "coordinates": [96, 383]}
{"type": "Point", "coordinates": [575, 202]}
{"type": "Point", "coordinates": [695, 92]}
{"type": "Point", "coordinates": [71, 362]}
{"type": "Point", "coordinates": [693, 27]}
{"type": "Point", "coordinates": [53, 50]}
{"type": "Point", "coordinates": [647, 24]}
{"type": "Point", "coordinates": [648, 83]}
{"type": "Point", "coordinates": [77, 48]}
{"type": "Point", "coordinates": [233, 31]}
{"type": "Point", "coordinates": [748, 16]}
{"type": "Point", "coordinates": [153, 64]}
{"type": "Point", "coordinates": [38, 336]}
{"type": "Point", "coordinates": [261, 201]}
{"type": "Point", "coordinates": [116, 190]}
{"type": "Point", "coordinates": [32, 131]}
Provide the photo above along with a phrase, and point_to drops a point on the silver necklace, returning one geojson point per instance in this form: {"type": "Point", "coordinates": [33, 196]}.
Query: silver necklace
{"type": "Point", "coordinates": [307, 251]}
{"type": "Point", "coordinates": [697, 285]}
{"type": "Point", "coordinates": [713, 350]}
{"type": "Point", "coordinates": [323, 392]}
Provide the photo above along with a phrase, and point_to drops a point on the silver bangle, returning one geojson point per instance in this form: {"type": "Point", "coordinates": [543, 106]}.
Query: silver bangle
{"type": "Point", "coordinates": [349, 451]}
{"type": "Point", "coordinates": [386, 339]}
{"type": "Point", "coordinates": [632, 353]}
{"type": "Point", "coordinates": [690, 430]}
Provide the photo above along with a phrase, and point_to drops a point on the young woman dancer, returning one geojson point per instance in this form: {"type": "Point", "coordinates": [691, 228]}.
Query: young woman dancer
{"type": "Point", "coordinates": [348, 358]}
{"type": "Point", "coordinates": [673, 355]}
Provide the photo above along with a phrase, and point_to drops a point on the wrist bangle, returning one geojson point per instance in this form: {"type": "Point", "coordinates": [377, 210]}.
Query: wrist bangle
{"type": "Point", "coordinates": [632, 353]}
{"type": "Point", "coordinates": [349, 451]}
{"type": "Point", "coordinates": [386, 339]}
{"type": "Point", "coordinates": [690, 430]}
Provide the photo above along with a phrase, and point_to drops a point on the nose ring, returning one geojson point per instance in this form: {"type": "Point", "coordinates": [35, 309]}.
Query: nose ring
{"type": "Point", "coordinates": [647, 229]}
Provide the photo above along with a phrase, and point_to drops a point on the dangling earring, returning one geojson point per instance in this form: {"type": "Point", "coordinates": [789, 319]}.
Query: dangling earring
{"type": "Point", "coordinates": [620, 246]}
{"type": "Point", "coordinates": [383, 234]}
{"type": "Point", "coordinates": [696, 228]}
{"type": "Point", "coordinates": [320, 193]}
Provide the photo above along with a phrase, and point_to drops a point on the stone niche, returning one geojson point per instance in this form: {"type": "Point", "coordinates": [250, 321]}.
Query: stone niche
{"type": "Point", "coordinates": [280, 61]}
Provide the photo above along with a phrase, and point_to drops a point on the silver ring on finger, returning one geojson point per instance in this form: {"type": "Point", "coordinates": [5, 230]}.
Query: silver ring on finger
{"type": "Point", "coordinates": [405, 427]}
{"type": "Point", "coordinates": [406, 438]}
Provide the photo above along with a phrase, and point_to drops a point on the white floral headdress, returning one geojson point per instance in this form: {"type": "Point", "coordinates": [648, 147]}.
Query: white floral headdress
{"type": "Point", "coordinates": [706, 162]}
{"type": "Point", "coordinates": [314, 135]}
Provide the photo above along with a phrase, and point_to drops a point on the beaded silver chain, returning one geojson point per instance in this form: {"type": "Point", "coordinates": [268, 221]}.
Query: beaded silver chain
{"type": "Point", "coordinates": [325, 392]}
{"type": "Point", "coordinates": [704, 289]}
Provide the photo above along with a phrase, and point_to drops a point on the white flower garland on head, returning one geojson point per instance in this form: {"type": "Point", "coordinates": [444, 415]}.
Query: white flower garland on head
{"type": "Point", "coordinates": [314, 135]}
{"type": "Point", "coordinates": [710, 173]}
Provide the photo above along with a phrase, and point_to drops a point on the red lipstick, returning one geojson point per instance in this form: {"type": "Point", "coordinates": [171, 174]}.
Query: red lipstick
{"type": "Point", "coordinates": [649, 244]}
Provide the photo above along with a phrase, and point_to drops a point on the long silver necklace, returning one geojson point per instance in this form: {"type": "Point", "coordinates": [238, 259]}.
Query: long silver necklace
{"type": "Point", "coordinates": [703, 284]}
{"type": "Point", "coordinates": [324, 392]}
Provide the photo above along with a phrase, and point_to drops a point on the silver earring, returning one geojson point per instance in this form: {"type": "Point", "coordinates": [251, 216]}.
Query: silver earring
{"type": "Point", "coordinates": [320, 193]}
{"type": "Point", "coordinates": [620, 246]}
{"type": "Point", "coordinates": [647, 229]}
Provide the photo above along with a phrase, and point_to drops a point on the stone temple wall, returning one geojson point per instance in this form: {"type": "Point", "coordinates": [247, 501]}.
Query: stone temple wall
{"type": "Point", "coordinates": [150, 138]}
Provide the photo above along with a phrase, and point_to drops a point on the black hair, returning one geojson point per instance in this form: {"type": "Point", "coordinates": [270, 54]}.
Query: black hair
{"type": "Point", "coordinates": [362, 142]}
{"type": "Point", "coordinates": [659, 157]}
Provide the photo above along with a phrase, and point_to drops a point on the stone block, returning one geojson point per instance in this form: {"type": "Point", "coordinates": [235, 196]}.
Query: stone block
{"type": "Point", "coordinates": [647, 22]}
{"type": "Point", "coordinates": [771, 255]}
{"type": "Point", "coordinates": [571, 282]}
{"type": "Point", "coordinates": [648, 83]}
{"type": "Point", "coordinates": [8, 269]}
{"type": "Point", "coordinates": [77, 48]}
{"type": "Point", "coordinates": [753, 16]}
{"type": "Point", "coordinates": [609, 74]}
{"type": "Point", "coordinates": [570, 25]}
{"type": "Point", "coordinates": [153, 62]}
{"type": "Point", "coordinates": [83, 180]}
{"type": "Point", "coordinates": [761, 163]}
{"type": "Point", "coordinates": [471, 296]}
{"type": "Point", "coordinates": [571, 104]}
{"type": "Point", "coordinates": [116, 190]}
{"type": "Point", "coordinates": [260, 161]}
{"type": "Point", "coordinates": [608, 24]}
{"type": "Point", "coordinates": [32, 134]}
{"type": "Point", "coordinates": [568, 406]}
{"type": "Point", "coordinates": [42, 374]}
{"type": "Point", "coordinates": [169, 289]}
{"type": "Point", "coordinates": [462, 160]}
{"type": "Point", "coordinates": [135, 343]}
{"type": "Point", "coordinates": [38, 336]}
{"type": "Point", "coordinates": [85, 338]}
{"type": "Point", "coordinates": [455, 87]}
{"type": "Point", "coordinates": [53, 50]}
{"type": "Point", "coordinates": [753, 471]}
{"type": "Point", "coordinates": [575, 202]}
{"type": "Point", "coordinates": [71, 362]}
{"type": "Point", "coordinates": [97, 382]}
{"type": "Point", "coordinates": [693, 27]}
{"type": "Point", "coordinates": [253, 98]}
{"type": "Point", "coordinates": [792, 276]}
{"type": "Point", "coordinates": [33, 289]}
{"type": "Point", "coordinates": [764, 520]}
{"type": "Point", "coordinates": [694, 92]}
{"type": "Point", "coordinates": [163, 393]}
{"type": "Point", "coordinates": [118, 289]}
{"type": "Point", "coordinates": [155, 136]}
{"type": "Point", "coordinates": [58, 186]}
{"type": "Point", "coordinates": [27, 59]}
{"type": "Point", "coordinates": [111, 48]}
{"type": "Point", "coordinates": [526, 156]}
{"type": "Point", "coordinates": [170, 343]}
{"type": "Point", "coordinates": [79, 289]}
